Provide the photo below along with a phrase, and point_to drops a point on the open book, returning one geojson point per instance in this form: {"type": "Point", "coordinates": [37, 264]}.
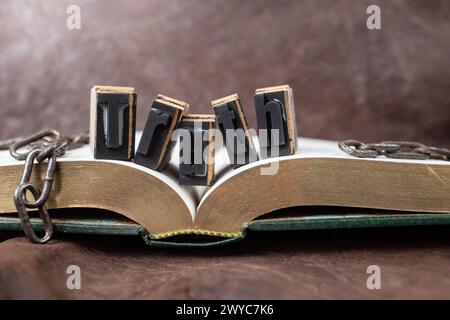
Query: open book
{"type": "Point", "coordinates": [323, 186]}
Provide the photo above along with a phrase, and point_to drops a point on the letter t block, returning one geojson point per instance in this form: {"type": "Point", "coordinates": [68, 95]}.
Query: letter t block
{"type": "Point", "coordinates": [113, 122]}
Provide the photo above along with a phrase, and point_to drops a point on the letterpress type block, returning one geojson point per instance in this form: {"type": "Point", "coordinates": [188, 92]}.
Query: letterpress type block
{"type": "Point", "coordinates": [197, 150]}
{"type": "Point", "coordinates": [231, 121]}
{"type": "Point", "coordinates": [113, 122]}
{"type": "Point", "coordinates": [155, 145]}
{"type": "Point", "coordinates": [275, 111]}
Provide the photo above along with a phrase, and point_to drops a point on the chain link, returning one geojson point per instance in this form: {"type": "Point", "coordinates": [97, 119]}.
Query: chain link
{"type": "Point", "coordinates": [44, 145]}
{"type": "Point", "coordinates": [394, 149]}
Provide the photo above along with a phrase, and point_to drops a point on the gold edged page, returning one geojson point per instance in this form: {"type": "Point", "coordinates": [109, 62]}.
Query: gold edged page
{"type": "Point", "coordinates": [153, 200]}
{"type": "Point", "coordinates": [319, 174]}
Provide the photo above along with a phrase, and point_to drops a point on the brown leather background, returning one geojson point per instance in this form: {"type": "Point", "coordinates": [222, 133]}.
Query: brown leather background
{"type": "Point", "coordinates": [349, 82]}
{"type": "Point", "coordinates": [414, 264]}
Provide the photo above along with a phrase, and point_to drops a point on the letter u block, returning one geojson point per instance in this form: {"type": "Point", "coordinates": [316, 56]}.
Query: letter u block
{"type": "Point", "coordinates": [197, 150]}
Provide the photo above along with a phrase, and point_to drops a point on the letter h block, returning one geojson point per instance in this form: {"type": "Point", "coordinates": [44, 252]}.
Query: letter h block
{"type": "Point", "coordinates": [275, 111]}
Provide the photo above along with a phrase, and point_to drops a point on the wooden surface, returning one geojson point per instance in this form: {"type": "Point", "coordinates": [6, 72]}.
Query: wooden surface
{"type": "Point", "coordinates": [414, 263]}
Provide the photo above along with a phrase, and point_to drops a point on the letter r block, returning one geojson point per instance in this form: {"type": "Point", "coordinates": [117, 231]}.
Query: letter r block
{"type": "Point", "coordinates": [155, 145]}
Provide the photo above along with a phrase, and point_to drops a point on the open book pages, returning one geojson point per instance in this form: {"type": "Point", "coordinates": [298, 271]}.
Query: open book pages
{"type": "Point", "coordinates": [319, 174]}
{"type": "Point", "coordinates": [308, 148]}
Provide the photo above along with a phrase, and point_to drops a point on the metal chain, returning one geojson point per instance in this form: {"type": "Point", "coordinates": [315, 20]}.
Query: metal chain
{"type": "Point", "coordinates": [48, 144]}
{"type": "Point", "coordinates": [394, 149]}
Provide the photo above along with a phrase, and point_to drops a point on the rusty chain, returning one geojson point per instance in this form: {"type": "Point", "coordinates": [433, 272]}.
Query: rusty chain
{"type": "Point", "coordinates": [394, 149]}
{"type": "Point", "coordinates": [48, 144]}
